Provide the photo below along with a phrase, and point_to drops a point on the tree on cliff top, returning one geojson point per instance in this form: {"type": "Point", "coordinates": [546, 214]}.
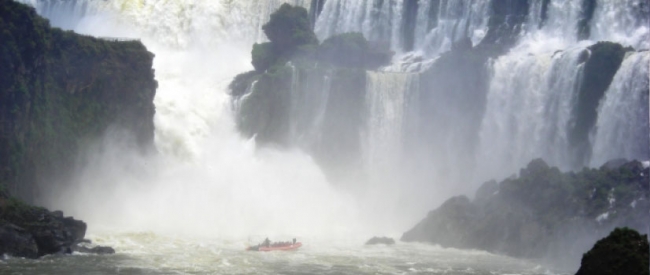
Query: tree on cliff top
{"type": "Point", "coordinates": [289, 28]}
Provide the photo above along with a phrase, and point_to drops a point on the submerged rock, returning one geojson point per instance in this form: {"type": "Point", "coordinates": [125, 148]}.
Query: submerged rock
{"type": "Point", "coordinates": [100, 250]}
{"type": "Point", "coordinates": [380, 240]}
{"type": "Point", "coordinates": [624, 251]}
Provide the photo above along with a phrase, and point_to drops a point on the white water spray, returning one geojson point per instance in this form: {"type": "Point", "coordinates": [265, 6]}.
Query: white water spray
{"type": "Point", "coordinates": [528, 111]}
{"type": "Point", "coordinates": [622, 127]}
{"type": "Point", "coordinates": [206, 180]}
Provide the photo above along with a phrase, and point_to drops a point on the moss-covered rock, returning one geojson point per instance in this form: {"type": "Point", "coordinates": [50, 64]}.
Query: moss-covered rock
{"type": "Point", "coordinates": [242, 83]}
{"type": "Point", "coordinates": [264, 56]}
{"type": "Point", "coordinates": [265, 112]}
{"type": "Point", "coordinates": [624, 251]}
{"type": "Point", "coordinates": [289, 27]}
{"type": "Point", "coordinates": [60, 90]}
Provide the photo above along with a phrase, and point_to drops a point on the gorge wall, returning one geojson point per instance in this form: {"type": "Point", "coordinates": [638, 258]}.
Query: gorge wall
{"type": "Point", "coordinates": [60, 91]}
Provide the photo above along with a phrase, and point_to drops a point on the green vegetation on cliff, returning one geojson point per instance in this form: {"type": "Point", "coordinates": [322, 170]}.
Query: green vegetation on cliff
{"type": "Point", "coordinates": [289, 28]}
{"type": "Point", "coordinates": [624, 251]}
{"type": "Point", "coordinates": [59, 91]}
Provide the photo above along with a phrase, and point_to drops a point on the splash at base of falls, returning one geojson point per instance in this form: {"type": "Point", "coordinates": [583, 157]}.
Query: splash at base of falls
{"type": "Point", "coordinates": [205, 179]}
{"type": "Point", "coordinates": [146, 253]}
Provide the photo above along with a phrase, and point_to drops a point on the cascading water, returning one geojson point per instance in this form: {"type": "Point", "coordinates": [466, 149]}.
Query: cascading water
{"type": "Point", "coordinates": [437, 24]}
{"type": "Point", "coordinates": [529, 110]}
{"type": "Point", "coordinates": [387, 98]}
{"type": "Point", "coordinates": [376, 20]}
{"type": "Point", "coordinates": [626, 21]}
{"type": "Point", "coordinates": [622, 127]}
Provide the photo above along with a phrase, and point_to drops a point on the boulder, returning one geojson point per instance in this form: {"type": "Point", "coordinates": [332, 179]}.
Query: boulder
{"type": "Point", "coordinates": [380, 240]}
{"type": "Point", "coordinates": [624, 251]}
{"type": "Point", "coordinates": [51, 231]}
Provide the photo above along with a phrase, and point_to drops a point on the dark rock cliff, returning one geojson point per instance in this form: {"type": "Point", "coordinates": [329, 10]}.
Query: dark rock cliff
{"type": "Point", "coordinates": [309, 95]}
{"type": "Point", "coordinates": [60, 90]}
{"type": "Point", "coordinates": [543, 213]}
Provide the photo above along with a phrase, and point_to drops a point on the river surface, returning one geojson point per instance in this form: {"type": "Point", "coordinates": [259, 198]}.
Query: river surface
{"type": "Point", "coordinates": [149, 253]}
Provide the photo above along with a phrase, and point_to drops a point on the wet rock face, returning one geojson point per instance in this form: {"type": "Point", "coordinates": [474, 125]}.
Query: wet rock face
{"type": "Point", "coordinates": [380, 240]}
{"type": "Point", "coordinates": [624, 251]}
{"type": "Point", "coordinates": [30, 232]}
{"type": "Point", "coordinates": [60, 90]}
{"type": "Point", "coordinates": [17, 242]}
{"type": "Point", "coordinates": [55, 234]}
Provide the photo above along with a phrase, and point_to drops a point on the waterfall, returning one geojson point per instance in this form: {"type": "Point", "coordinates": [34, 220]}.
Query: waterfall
{"type": "Point", "coordinates": [437, 23]}
{"type": "Point", "coordinates": [201, 45]}
{"type": "Point", "coordinates": [438, 26]}
{"type": "Point", "coordinates": [529, 108]}
{"type": "Point", "coordinates": [386, 97]}
{"type": "Point", "coordinates": [377, 20]}
{"type": "Point", "coordinates": [622, 127]}
{"type": "Point", "coordinates": [310, 92]}
{"type": "Point", "coordinates": [626, 21]}
{"type": "Point", "coordinates": [551, 25]}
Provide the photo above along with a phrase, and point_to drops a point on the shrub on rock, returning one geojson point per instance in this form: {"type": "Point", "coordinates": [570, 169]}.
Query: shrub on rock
{"type": "Point", "coordinates": [289, 28]}
{"type": "Point", "coordinates": [263, 56]}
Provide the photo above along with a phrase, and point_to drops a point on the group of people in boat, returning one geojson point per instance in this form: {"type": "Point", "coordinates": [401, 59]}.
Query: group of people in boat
{"type": "Point", "coordinates": [268, 243]}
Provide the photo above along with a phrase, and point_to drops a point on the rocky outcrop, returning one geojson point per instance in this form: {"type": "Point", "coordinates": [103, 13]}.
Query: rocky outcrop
{"type": "Point", "coordinates": [59, 91]}
{"type": "Point", "coordinates": [17, 242]}
{"type": "Point", "coordinates": [624, 251]}
{"type": "Point", "coordinates": [30, 232]}
{"type": "Point", "coordinates": [307, 94]}
{"type": "Point", "coordinates": [543, 213]}
{"type": "Point", "coordinates": [380, 240]}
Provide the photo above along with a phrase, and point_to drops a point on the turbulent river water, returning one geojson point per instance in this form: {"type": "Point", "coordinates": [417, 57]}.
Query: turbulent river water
{"type": "Point", "coordinates": [148, 253]}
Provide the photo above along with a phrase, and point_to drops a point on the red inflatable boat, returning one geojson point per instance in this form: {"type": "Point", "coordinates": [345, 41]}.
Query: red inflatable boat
{"type": "Point", "coordinates": [287, 247]}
